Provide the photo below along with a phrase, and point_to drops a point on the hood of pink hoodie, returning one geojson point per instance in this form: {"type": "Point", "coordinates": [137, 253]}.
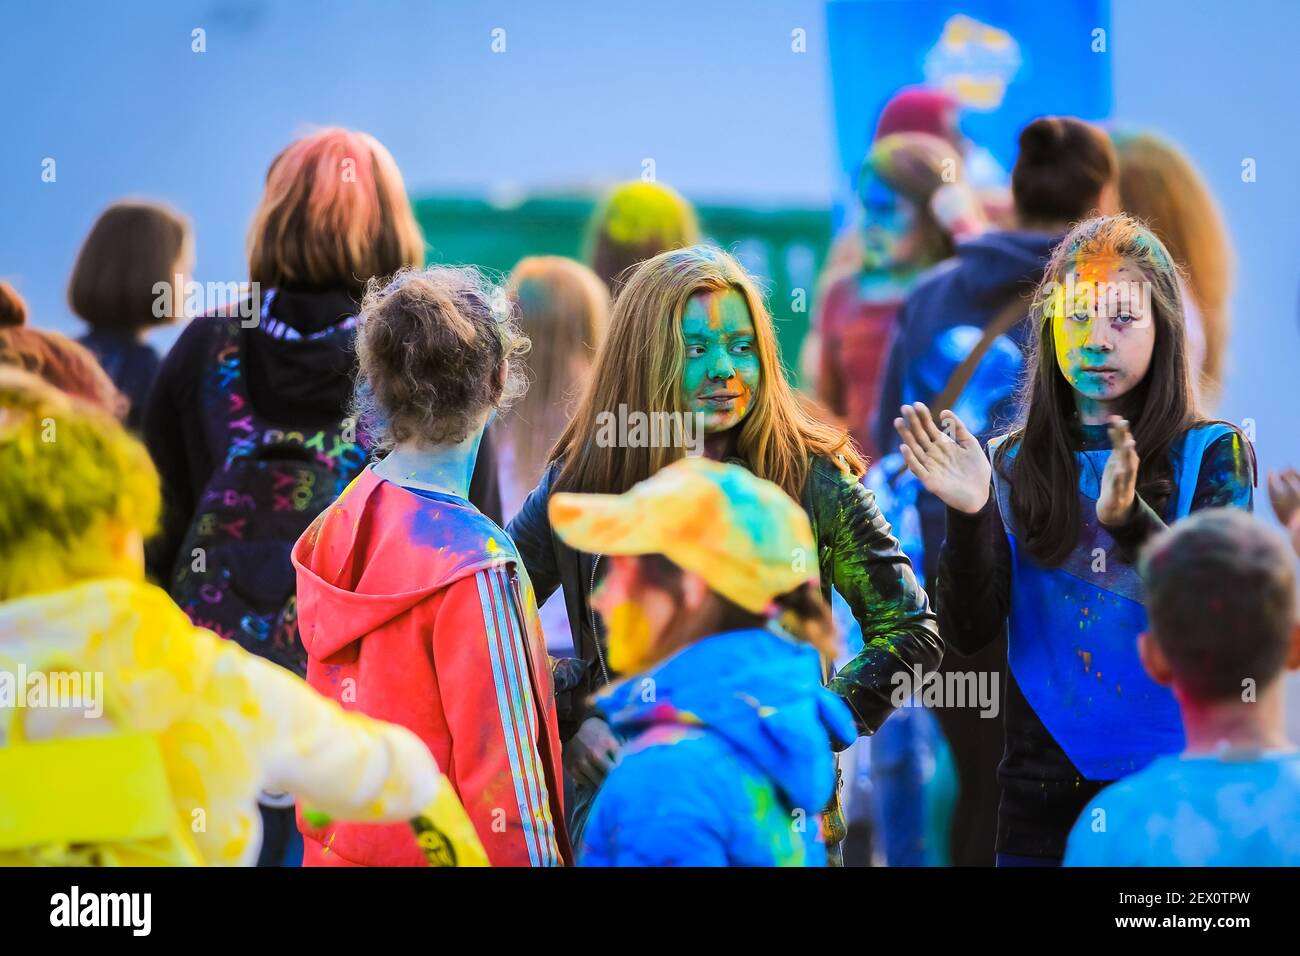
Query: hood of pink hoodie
{"type": "Point", "coordinates": [378, 551]}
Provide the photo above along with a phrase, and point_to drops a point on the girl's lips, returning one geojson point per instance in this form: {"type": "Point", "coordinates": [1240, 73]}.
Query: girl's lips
{"type": "Point", "coordinates": [720, 398]}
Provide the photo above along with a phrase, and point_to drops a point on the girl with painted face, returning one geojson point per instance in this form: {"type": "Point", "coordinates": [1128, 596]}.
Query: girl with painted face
{"type": "Point", "coordinates": [690, 365]}
{"type": "Point", "coordinates": [1043, 531]}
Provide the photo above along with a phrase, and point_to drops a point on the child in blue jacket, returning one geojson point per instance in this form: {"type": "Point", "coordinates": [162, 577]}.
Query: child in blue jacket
{"type": "Point", "coordinates": [713, 609]}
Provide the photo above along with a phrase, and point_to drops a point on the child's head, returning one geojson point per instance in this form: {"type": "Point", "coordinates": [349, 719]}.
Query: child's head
{"type": "Point", "coordinates": [333, 215]}
{"type": "Point", "coordinates": [635, 221]}
{"type": "Point", "coordinates": [563, 308]}
{"type": "Point", "coordinates": [131, 250]}
{"type": "Point", "coordinates": [67, 365]}
{"type": "Point", "coordinates": [899, 178]}
{"type": "Point", "coordinates": [1220, 597]}
{"type": "Point", "coordinates": [1064, 171]}
{"type": "Point", "coordinates": [437, 353]}
{"type": "Point", "coordinates": [1110, 309]}
{"type": "Point", "coordinates": [700, 548]}
{"type": "Point", "coordinates": [690, 339]}
{"type": "Point", "coordinates": [1109, 334]}
{"type": "Point", "coordinates": [78, 494]}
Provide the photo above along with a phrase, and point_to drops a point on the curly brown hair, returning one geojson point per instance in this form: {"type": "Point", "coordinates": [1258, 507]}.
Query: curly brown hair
{"type": "Point", "coordinates": [431, 348]}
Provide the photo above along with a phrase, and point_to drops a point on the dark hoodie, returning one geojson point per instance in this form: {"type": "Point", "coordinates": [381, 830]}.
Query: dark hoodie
{"type": "Point", "coordinates": [970, 289]}
{"type": "Point", "coordinates": [729, 744]}
{"type": "Point", "coordinates": [299, 383]}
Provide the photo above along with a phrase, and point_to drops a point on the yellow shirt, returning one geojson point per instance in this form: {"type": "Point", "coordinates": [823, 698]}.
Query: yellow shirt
{"type": "Point", "coordinates": [227, 723]}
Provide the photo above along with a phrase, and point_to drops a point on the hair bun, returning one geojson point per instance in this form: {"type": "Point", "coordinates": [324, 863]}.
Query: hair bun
{"type": "Point", "coordinates": [1042, 140]}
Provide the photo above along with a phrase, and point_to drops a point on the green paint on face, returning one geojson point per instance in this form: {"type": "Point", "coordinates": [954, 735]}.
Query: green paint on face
{"type": "Point", "coordinates": [721, 374]}
{"type": "Point", "coordinates": [887, 220]}
{"type": "Point", "coordinates": [1103, 341]}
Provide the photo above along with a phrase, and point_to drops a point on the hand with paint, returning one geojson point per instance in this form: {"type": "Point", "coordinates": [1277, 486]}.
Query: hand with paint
{"type": "Point", "coordinates": [1119, 479]}
{"type": "Point", "coordinates": [1284, 494]}
{"type": "Point", "coordinates": [591, 753]}
{"type": "Point", "coordinates": [950, 463]}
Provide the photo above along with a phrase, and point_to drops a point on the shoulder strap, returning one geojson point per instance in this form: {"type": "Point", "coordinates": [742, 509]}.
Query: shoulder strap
{"type": "Point", "coordinates": [1004, 321]}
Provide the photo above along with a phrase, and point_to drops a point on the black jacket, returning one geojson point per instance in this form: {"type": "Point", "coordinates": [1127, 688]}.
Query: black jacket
{"type": "Point", "coordinates": [857, 555]}
{"type": "Point", "coordinates": [302, 383]}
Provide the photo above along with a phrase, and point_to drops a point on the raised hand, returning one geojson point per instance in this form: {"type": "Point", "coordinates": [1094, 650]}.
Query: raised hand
{"type": "Point", "coordinates": [953, 469]}
{"type": "Point", "coordinates": [1119, 478]}
{"type": "Point", "coordinates": [1284, 493]}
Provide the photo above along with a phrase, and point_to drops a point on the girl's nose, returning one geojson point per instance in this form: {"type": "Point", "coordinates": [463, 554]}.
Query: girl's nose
{"type": "Point", "coordinates": [722, 369]}
{"type": "Point", "coordinates": [1099, 339]}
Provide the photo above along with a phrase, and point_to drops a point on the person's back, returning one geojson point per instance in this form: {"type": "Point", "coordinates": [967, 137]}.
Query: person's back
{"type": "Point", "coordinates": [727, 762]}
{"type": "Point", "coordinates": [135, 251]}
{"type": "Point", "coordinates": [1233, 808]}
{"type": "Point", "coordinates": [413, 606]}
{"type": "Point", "coordinates": [1220, 594]}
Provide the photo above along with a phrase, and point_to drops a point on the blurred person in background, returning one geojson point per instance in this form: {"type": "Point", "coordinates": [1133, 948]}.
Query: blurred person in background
{"type": "Point", "coordinates": [133, 251]}
{"type": "Point", "coordinates": [563, 309]}
{"type": "Point", "coordinates": [901, 238]}
{"type": "Point", "coordinates": [249, 421]}
{"type": "Point", "coordinates": [61, 362]}
{"type": "Point", "coordinates": [635, 221]}
{"type": "Point", "coordinates": [907, 180]}
{"type": "Point", "coordinates": [1159, 185]}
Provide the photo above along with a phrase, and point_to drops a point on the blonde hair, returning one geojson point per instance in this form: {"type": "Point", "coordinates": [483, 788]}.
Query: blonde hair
{"type": "Point", "coordinates": [1158, 185]}
{"type": "Point", "coordinates": [563, 308]}
{"type": "Point", "coordinates": [72, 481]}
{"type": "Point", "coordinates": [640, 364]}
{"type": "Point", "coordinates": [334, 214]}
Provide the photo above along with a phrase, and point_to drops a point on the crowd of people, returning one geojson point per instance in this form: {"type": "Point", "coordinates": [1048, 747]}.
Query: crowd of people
{"type": "Point", "coordinates": [359, 573]}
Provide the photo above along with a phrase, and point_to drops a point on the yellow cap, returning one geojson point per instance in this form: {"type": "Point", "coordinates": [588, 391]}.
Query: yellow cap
{"type": "Point", "coordinates": [745, 536]}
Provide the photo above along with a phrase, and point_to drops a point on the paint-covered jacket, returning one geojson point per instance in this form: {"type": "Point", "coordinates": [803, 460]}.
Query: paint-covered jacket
{"type": "Point", "coordinates": [222, 724]}
{"type": "Point", "coordinates": [728, 762]}
{"type": "Point", "coordinates": [414, 608]}
{"type": "Point", "coordinates": [857, 555]}
{"type": "Point", "coordinates": [1080, 709]}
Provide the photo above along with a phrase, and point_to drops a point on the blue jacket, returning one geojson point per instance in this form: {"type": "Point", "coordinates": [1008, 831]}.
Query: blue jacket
{"type": "Point", "coordinates": [728, 760]}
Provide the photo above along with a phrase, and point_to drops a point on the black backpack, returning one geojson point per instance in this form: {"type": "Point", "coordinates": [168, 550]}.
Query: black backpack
{"type": "Point", "coordinates": [233, 573]}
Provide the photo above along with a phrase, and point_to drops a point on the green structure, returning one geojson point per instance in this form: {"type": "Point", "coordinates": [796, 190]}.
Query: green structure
{"type": "Point", "coordinates": [785, 248]}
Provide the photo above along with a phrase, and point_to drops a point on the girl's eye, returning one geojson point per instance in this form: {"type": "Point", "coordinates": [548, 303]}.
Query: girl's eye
{"type": "Point", "coordinates": [742, 348]}
{"type": "Point", "coordinates": [694, 351]}
{"type": "Point", "coordinates": [1080, 316]}
{"type": "Point", "coordinates": [1124, 318]}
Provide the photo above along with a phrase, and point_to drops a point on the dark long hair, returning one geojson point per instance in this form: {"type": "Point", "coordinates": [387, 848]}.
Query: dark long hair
{"type": "Point", "coordinates": [1044, 495]}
